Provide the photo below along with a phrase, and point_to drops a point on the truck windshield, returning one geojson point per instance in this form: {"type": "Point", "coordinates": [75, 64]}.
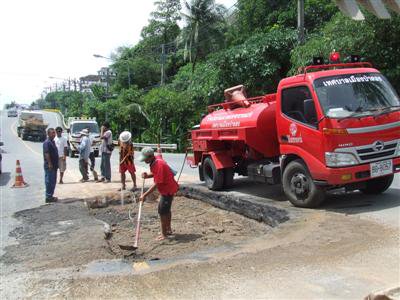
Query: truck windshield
{"type": "Point", "coordinates": [78, 127]}
{"type": "Point", "coordinates": [356, 94]}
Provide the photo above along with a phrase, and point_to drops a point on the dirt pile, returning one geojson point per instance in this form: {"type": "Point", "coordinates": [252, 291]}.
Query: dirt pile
{"type": "Point", "coordinates": [196, 226]}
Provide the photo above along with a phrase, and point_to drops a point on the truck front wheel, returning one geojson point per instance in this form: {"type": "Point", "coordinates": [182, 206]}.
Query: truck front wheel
{"type": "Point", "coordinates": [299, 186]}
{"type": "Point", "coordinates": [378, 185]}
{"type": "Point", "coordinates": [213, 177]}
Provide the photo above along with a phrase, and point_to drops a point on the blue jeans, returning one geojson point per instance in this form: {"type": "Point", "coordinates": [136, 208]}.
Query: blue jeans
{"type": "Point", "coordinates": [50, 180]}
{"type": "Point", "coordinates": [105, 166]}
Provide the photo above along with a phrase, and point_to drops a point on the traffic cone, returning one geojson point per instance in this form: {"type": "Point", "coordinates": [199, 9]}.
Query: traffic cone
{"type": "Point", "coordinates": [19, 179]}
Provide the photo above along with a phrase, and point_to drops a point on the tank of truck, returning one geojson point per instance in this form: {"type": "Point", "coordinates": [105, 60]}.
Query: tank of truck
{"type": "Point", "coordinates": [251, 121]}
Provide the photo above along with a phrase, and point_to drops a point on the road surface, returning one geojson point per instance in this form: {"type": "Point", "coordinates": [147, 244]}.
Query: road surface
{"type": "Point", "coordinates": [345, 249]}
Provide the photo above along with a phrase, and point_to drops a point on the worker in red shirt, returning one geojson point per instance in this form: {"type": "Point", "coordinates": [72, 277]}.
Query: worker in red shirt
{"type": "Point", "coordinates": [165, 182]}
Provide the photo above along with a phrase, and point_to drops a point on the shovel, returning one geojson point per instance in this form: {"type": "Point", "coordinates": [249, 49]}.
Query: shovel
{"type": "Point", "coordinates": [137, 234]}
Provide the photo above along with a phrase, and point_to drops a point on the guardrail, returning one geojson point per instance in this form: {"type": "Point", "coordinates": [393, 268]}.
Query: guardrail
{"type": "Point", "coordinates": [161, 146]}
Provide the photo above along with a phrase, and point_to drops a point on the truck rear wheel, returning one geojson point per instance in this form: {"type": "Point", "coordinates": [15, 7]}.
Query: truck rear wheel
{"type": "Point", "coordinates": [378, 185]}
{"type": "Point", "coordinates": [71, 154]}
{"type": "Point", "coordinates": [213, 177]}
{"type": "Point", "coordinates": [299, 186]}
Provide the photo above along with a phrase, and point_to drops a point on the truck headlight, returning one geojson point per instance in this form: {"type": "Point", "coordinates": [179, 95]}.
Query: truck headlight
{"type": "Point", "coordinates": [336, 159]}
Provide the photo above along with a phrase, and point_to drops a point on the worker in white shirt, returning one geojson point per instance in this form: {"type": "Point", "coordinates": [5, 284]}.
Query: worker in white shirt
{"type": "Point", "coordinates": [62, 148]}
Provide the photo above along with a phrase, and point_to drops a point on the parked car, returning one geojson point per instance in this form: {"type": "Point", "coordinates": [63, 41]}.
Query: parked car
{"type": "Point", "coordinates": [12, 113]}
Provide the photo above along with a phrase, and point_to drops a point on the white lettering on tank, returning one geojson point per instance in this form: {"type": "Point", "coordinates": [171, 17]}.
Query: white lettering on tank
{"type": "Point", "coordinates": [229, 117]}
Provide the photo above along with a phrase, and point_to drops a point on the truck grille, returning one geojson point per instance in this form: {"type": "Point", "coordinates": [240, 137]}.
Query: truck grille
{"type": "Point", "coordinates": [378, 150]}
{"type": "Point", "coordinates": [370, 153]}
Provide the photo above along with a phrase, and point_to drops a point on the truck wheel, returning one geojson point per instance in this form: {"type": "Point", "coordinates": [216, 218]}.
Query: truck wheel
{"type": "Point", "coordinates": [214, 178]}
{"type": "Point", "coordinates": [96, 153]}
{"type": "Point", "coordinates": [299, 186]}
{"type": "Point", "coordinates": [228, 177]}
{"type": "Point", "coordinates": [378, 185]}
{"type": "Point", "coordinates": [71, 154]}
{"type": "Point", "coordinates": [24, 137]}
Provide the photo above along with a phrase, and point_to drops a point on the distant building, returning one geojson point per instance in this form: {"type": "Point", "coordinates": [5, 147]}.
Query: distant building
{"type": "Point", "coordinates": [104, 74]}
{"type": "Point", "coordinates": [87, 81]}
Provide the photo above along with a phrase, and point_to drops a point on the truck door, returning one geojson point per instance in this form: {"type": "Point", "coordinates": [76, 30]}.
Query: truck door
{"type": "Point", "coordinates": [297, 123]}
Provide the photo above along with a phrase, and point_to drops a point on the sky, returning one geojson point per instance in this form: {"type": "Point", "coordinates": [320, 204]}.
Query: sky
{"type": "Point", "coordinates": [40, 39]}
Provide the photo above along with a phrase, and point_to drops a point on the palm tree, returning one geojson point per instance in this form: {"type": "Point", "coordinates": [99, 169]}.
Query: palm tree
{"type": "Point", "coordinates": [204, 31]}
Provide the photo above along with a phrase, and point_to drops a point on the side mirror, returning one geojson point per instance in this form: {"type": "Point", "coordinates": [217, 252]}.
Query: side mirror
{"type": "Point", "coordinates": [310, 113]}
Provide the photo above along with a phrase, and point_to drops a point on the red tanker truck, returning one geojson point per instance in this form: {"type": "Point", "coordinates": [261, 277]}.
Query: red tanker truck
{"type": "Point", "coordinates": [333, 125]}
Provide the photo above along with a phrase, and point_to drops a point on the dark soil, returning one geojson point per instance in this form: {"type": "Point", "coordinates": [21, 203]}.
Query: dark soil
{"type": "Point", "coordinates": [196, 226]}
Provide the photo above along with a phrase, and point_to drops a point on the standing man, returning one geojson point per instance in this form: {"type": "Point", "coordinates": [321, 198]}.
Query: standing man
{"type": "Point", "coordinates": [50, 156]}
{"type": "Point", "coordinates": [84, 152]}
{"type": "Point", "coordinates": [62, 147]}
{"type": "Point", "coordinates": [165, 182]}
{"type": "Point", "coordinates": [92, 158]}
{"type": "Point", "coordinates": [126, 157]}
{"type": "Point", "coordinates": [106, 150]}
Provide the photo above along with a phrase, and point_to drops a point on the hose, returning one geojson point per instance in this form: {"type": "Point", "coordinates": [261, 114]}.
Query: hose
{"type": "Point", "coordinates": [183, 165]}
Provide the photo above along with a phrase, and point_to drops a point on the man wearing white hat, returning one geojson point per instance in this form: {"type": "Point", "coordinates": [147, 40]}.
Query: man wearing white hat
{"type": "Point", "coordinates": [84, 152]}
{"type": "Point", "coordinates": [126, 159]}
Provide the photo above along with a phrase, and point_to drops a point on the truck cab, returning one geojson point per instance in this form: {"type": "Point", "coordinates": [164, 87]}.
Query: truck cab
{"type": "Point", "coordinates": [342, 123]}
{"type": "Point", "coordinates": [76, 125]}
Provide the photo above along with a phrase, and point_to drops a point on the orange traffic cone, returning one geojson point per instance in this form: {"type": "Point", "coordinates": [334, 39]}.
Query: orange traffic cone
{"type": "Point", "coordinates": [19, 179]}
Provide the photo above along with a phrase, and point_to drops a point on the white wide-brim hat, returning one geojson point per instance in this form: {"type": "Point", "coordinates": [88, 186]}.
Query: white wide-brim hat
{"type": "Point", "coordinates": [125, 136]}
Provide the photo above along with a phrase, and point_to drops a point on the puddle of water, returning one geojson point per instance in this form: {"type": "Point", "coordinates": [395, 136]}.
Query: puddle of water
{"type": "Point", "coordinates": [109, 267]}
{"type": "Point", "coordinates": [123, 267]}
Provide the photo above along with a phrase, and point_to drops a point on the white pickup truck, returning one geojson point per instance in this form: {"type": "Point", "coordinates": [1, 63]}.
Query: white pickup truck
{"type": "Point", "coordinates": [75, 126]}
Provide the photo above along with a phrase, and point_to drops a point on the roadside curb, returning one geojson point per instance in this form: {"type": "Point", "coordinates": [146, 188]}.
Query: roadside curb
{"type": "Point", "coordinates": [246, 205]}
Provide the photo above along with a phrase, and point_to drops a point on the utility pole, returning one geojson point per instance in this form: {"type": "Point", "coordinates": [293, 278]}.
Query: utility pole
{"type": "Point", "coordinates": [107, 88]}
{"type": "Point", "coordinates": [162, 64]}
{"type": "Point", "coordinates": [129, 75]}
{"type": "Point", "coordinates": [300, 21]}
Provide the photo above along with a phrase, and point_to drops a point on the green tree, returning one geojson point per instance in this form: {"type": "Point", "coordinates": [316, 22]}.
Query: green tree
{"type": "Point", "coordinates": [255, 16]}
{"type": "Point", "coordinates": [204, 31]}
{"type": "Point", "coordinates": [164, 20]}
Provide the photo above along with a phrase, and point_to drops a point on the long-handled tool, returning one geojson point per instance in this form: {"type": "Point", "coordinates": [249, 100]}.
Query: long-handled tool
{"type": "Point", "coordinates": [137, 232]}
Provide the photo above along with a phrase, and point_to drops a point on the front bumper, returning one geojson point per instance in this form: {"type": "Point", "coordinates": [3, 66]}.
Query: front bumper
{"type": "Point", "coordinates": [341, 176]}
